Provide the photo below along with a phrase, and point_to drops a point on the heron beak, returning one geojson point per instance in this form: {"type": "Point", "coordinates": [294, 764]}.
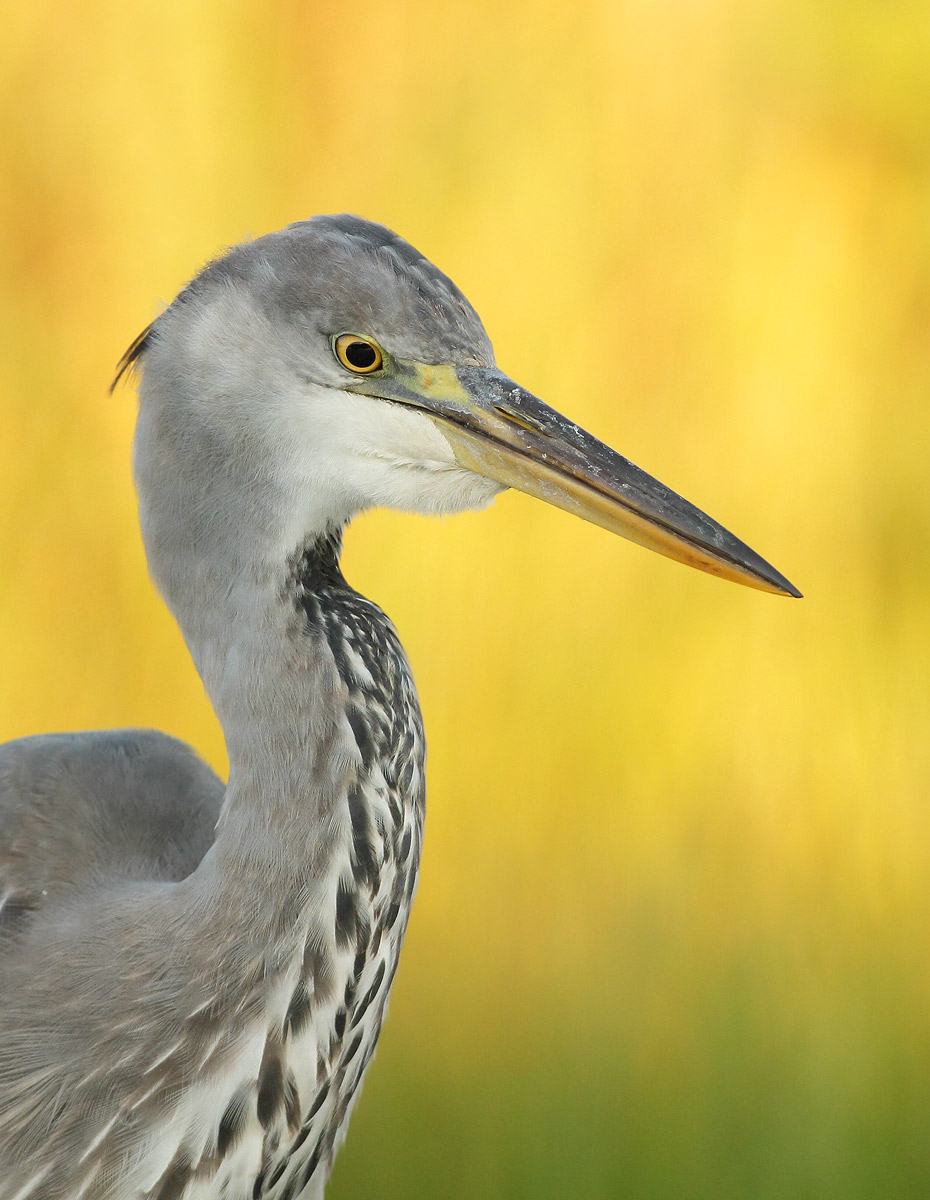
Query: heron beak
{"type": "Point", "coordinates": [500, 431]}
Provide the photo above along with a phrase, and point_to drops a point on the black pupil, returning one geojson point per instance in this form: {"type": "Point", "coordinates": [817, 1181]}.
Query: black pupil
{"type": "Point", "coordinates": [361, 355]}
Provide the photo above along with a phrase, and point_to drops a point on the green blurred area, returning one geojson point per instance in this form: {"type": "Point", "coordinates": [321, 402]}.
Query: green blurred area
{"type": "Point", "coordinates": [671, 934]}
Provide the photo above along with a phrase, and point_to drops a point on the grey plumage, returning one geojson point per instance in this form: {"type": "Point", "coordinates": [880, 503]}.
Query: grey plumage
{"type": "Point", "coordinates": [193, 977]}
{"type": "Point", "coordinates": [312, 950]}
{"type": "Point", "coordinates": [79, 807]}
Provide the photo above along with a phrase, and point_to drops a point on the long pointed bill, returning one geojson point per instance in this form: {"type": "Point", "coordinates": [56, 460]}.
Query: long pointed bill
{"type": "Point", "coordinates": [503, 432]}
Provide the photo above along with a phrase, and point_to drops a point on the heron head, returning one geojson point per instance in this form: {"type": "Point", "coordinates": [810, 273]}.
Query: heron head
{"type": "Point", "coordinates": [330, 368]}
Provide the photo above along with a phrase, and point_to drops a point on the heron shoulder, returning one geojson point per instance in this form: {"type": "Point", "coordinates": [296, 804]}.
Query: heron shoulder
{"type": "Point", "coordinates": [128, 804]}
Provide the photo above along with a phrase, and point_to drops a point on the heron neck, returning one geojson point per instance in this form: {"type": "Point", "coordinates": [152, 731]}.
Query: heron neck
{"type": "Point", "coordinates": [315, 698]}
{"type": "Point", "coordinates": [277, 691]}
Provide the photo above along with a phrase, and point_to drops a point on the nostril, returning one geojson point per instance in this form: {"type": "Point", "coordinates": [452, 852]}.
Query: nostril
{"type": "Point", "coordinates": [516, 417]}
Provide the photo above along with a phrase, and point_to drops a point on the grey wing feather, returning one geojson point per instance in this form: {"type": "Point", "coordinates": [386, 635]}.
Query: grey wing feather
{"type": "Point", "coordinates": [97, 831]}
{"type": "Point", "coordinates": [85, 808]}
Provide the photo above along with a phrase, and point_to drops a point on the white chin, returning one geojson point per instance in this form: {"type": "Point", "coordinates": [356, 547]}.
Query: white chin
{"type": "Point", "coordinates": [465, 492]}
{"type": "Point", "coordinates": [369, 454]}
{"type": "Point", "coordinates": [403, 461]}
{"type": "Point", "coordinates": [431, 488]}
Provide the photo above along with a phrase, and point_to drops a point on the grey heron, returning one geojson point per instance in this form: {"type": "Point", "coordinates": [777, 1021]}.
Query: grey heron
{"type": "Point", "coordinates": [193, 976]}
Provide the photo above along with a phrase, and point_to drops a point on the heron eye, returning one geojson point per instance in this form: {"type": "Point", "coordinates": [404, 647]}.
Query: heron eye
{"type": "Point", "coordinates": [358, 354]}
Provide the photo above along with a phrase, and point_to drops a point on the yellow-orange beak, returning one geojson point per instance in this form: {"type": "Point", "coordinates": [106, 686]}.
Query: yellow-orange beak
{"type": "Point", "coordinates": [505, 433]}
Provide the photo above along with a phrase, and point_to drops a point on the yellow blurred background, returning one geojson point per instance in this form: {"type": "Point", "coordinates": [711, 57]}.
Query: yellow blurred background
{"type": "Point", "coordinates": [671, 938]}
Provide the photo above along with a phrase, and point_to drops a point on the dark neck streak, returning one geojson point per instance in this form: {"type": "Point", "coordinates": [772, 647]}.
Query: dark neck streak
{"type": "Point", "coordinates": [315, 569]}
